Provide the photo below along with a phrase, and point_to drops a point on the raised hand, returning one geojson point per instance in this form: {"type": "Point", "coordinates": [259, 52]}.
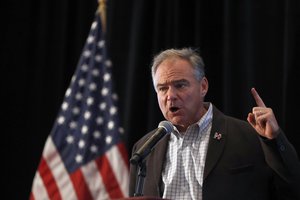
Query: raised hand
{"type": "Point", "coordinates": [262, 118]}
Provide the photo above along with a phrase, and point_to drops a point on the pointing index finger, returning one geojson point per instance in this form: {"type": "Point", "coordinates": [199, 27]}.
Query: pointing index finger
{"type": "Point", "coordinates": [257, 98]}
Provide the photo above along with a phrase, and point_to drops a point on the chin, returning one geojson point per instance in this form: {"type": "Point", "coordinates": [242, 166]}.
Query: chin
{"type": "Point", "coordinates": [176, 121]}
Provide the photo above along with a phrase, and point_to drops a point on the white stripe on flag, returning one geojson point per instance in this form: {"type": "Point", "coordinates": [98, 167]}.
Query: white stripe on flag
{"type": "Point", "coordinates": [38, 189]}
{"type": "Point", "coordinates": [119, 168]}
{"type": "Point", "coordinates": [59, 171]}
{"type": "Point", "coordinates": [94, 181]}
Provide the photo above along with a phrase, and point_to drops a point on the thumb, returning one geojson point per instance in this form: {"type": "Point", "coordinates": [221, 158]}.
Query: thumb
{"type": "Point", "coordinates": [251, 119]}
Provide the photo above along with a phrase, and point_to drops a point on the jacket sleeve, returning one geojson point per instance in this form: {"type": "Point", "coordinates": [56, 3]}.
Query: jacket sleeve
{"type": "Point", "coordinates": [132, 175]}
{"type": "Point", "coordinates": [282, 157]}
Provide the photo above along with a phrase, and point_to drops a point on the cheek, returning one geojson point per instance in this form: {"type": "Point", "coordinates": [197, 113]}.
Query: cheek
{"type": "Point", "coordinates": [192, 100]}
{"type": "Point", "coordinates": [161, 101]}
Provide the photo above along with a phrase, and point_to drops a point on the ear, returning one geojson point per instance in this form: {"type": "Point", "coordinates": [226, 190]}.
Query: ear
{"type": "Point", "coordinates": [204, 86]}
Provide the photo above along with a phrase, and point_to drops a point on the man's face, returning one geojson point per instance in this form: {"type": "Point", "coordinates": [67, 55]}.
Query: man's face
{"type": "Point", "coordinates": [180, 95]}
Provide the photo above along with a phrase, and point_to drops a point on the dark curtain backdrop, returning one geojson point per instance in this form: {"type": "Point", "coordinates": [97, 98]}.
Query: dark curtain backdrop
{"type": "Point", "coordinates": [245, 43]}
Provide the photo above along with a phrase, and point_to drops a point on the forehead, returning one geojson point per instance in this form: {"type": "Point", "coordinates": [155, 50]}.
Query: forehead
{"type": "Point", "coordinates": [174, 68]}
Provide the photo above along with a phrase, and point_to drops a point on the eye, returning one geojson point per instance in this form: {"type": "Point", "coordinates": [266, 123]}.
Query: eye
{"type": "Point", "coordinates": [162, 89]}
{"type": "Point", "coordinates": [181, 85]}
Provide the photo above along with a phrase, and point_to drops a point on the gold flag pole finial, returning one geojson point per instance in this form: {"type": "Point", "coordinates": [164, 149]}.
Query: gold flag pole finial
{"type": "Point", "coordinates": [102, 13]}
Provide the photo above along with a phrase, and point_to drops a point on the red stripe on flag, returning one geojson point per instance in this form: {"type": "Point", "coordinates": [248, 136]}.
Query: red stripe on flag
{"type": "Point", "coordinates": [31, 196]}
{"type": "Point", "coordinates": [80, 186]}
{"type": "Point", "coordinates": [110, 182]}
{"type": "Point", "coordinates": [124, 153]}
{"type": "Point", "coordinates": [49, 181]}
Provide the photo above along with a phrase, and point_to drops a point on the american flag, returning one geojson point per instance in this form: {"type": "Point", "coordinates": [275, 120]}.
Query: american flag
{"type": "Point", "coordinates": [84, 156]}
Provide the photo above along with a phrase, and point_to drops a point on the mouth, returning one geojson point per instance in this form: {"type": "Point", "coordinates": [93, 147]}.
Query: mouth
{"type": "Point", "coordinates": [173, 109]}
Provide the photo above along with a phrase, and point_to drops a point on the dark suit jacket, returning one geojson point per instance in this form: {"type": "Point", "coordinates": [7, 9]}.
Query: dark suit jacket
{"type": "Point", "coordinates": [241, 165]}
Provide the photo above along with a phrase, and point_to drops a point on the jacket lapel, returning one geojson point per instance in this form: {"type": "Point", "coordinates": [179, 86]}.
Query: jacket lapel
{"type": "Point", "coordinates": [158, 160]}
{"type": "Point", "coordinates": [216, 142]}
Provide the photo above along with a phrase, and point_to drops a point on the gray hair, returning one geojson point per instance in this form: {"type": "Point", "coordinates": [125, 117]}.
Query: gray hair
{"type": "Point", "coordinates": [188, 54]}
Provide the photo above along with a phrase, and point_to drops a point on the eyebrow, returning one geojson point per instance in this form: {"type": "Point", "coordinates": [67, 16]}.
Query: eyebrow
{"type": "Point", "coordinates": [172, 82]}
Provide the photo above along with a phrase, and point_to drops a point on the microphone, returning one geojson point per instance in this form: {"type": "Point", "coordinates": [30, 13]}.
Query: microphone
{"type": "Point", "coordinates": [164, 127]}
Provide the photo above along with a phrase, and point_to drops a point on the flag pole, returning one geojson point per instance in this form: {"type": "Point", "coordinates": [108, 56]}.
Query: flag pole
{"type": "Point", "coordinates": [102, 12]}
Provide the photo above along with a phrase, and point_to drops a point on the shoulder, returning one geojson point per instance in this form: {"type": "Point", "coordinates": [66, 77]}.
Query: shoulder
{"type": "Point", "coordinates": [142, 140]}
{"type": "Point", "coordinates": [231, 124]}
{"type": "Point", "coordinates": [219, 115]}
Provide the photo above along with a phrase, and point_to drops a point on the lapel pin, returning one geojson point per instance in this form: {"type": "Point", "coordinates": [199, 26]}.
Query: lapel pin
{"type": "Point", "coordinates": [218, 136]}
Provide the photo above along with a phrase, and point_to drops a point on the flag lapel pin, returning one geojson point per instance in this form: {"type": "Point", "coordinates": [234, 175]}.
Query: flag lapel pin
{"type": "Point", "coordinates": [217, 136]}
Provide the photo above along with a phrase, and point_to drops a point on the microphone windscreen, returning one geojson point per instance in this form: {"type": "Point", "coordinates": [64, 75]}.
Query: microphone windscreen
{"type": "Point", "coordinates": [168, 126]}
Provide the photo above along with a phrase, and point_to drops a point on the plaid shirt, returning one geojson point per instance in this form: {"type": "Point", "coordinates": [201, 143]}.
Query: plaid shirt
{"type": "Point", "coordinates": [185, 160]}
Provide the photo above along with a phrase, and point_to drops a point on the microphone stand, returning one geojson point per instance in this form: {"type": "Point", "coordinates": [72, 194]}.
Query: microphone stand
{"type": "Point", "coordinates": [141, 178]}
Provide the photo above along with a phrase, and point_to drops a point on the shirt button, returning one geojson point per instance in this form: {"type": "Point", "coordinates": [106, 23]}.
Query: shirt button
{"type": "Point", "coordinates": [282, 147]}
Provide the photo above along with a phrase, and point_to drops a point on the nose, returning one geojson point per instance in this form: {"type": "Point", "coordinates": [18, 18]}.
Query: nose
{"type": "Point", "coordinates": [171, 94]}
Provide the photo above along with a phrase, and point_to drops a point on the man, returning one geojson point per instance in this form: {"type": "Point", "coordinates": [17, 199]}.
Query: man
{"type": "Point", "coordinates": [210, 155]}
